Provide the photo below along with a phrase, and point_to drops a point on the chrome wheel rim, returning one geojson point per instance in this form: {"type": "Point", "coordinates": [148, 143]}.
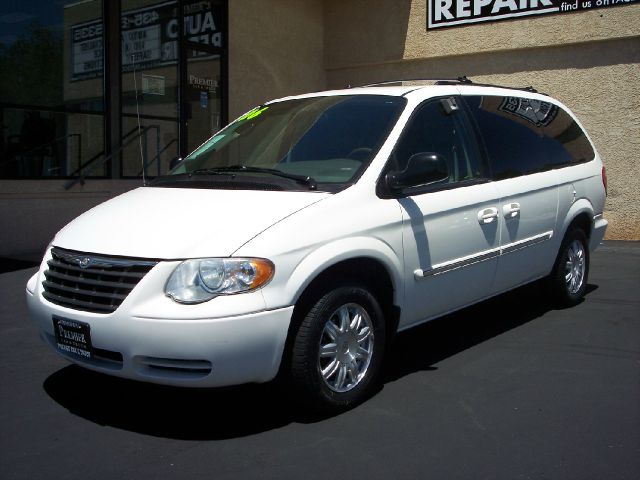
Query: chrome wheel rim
{"type": "Point", "coordinates": [575, 267]}
{"type": "Point", "coordinates": [346, 348]}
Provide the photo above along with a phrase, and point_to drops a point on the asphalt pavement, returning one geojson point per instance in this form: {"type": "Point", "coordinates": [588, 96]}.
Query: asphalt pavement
{"type": "Point", "coordinates": [507, 389]}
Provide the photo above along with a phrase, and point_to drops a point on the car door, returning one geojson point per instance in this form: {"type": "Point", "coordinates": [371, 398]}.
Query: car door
{"type": "Point", "coordinates": [512, 132]}
{"type": "Point", "coordinates": [450, 227]}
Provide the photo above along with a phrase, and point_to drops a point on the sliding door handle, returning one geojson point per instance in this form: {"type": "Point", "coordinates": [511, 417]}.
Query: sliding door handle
{"type": "Point", "coordinates": [487, 215]}
{"type": "Point", "coordinates": [511, 210]}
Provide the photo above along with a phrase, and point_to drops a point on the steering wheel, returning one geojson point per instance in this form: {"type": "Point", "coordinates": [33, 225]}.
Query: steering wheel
{"type": "Point", "coordinates": [360, 154]}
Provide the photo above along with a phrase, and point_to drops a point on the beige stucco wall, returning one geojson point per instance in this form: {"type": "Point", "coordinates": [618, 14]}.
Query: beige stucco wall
{"type": "Point", "coordinates": [364, 32]}
{"type": "Point", "coordinates": [275, 49]}
{"type": "Point", "coordinates": [590, 61]}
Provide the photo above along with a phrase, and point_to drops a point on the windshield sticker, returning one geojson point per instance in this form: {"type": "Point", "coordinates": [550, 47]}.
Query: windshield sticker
{"type": "Point", "coordinates": [252, 114]}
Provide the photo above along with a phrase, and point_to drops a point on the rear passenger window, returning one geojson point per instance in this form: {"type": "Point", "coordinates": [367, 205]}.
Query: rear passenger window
{"type": "Point", "coordinates": [565, 141]}
{"type": "Point", "coordinates": [512, 130]}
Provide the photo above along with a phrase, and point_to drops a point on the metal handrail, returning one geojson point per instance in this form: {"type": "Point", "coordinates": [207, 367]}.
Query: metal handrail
{"type": "Point", "coordinates": [44, 145]}
{"type": "Point", "coordinates": [93, 163]}
{"type": "Point", "coordinates": [98, 155]}
{"type": "Point", "coordinates": [157, 157]}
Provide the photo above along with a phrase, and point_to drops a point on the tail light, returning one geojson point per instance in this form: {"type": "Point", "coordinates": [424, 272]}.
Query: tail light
{"type": "Point", "coordinates": [604, 179]}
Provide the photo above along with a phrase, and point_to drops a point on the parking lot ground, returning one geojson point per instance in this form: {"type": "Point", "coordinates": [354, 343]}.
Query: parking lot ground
{"type": "Point", "coordinates": [507, 389]}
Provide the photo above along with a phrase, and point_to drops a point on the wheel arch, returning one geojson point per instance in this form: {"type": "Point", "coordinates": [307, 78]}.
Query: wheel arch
{"type": "Point", "coordinates": [350, 257]}
{"type": "Point", "coordinates": [580, 215]}
{"type": "Point", "coordinates": [376, 272]}
{"type": "Point", "coordinates": [369, 272]}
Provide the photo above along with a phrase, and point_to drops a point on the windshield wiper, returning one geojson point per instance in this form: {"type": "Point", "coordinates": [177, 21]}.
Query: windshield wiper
{"type": "Point", "coordinates": [303, 179]}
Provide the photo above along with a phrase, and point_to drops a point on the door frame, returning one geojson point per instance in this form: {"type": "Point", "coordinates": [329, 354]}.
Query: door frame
{"type": "Point", "coordinates": [183, 81]}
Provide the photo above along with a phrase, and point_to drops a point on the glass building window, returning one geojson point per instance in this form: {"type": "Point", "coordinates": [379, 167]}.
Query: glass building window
{"type": "Point", "coordinates": [149, 31]}
{"type": "Point", "coordinates": [104, 89]}
{"type": "Point", "coordinates": [152, 65]}
{"type": "Point", "coordinates": [51, 89]}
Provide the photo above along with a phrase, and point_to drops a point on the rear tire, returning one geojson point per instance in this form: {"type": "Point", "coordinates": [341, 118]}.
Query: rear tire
{"type": "Point", "coordinates": [568, 280]}
{"type": "Point", "coordinates": [338, 349]}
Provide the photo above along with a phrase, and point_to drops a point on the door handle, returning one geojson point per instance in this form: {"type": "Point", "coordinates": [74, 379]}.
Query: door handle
{"type": "Point", "coordinates": [487, 215]}
{"type": "Point", "coordinates": [511, 210]}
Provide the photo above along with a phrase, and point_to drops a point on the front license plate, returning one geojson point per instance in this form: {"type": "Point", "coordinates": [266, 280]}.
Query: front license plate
{"type": "Point", "coordinates": [73, 336]}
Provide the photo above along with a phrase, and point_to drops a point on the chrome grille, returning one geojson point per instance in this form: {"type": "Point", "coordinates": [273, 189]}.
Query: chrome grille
{"type": "Point", "coordinates": [92, 283]}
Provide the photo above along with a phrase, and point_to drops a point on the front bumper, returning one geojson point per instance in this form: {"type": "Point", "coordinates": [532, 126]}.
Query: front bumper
{"type": "Point", "coordinates": [141, 340]}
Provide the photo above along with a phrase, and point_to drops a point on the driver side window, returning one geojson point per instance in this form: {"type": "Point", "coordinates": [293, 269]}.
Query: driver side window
{"type": "Point", "coordinates": [439, 127]}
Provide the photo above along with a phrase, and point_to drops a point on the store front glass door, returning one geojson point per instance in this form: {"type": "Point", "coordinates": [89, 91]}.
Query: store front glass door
{"type": "Point", "coordinates": [202, 72]}
{"type": "Point", "coordinates": [203, 97]}
{"type": "Point", "coordinates": [172, 58]}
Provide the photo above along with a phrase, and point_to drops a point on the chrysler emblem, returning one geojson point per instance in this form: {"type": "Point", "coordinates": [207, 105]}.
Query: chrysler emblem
{"type": "Point", "coordinates": [84, 262]}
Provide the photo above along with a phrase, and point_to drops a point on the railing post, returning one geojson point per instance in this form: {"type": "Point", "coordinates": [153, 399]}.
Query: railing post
{"type": "Point", "coordinates": [145, 154]}
{"type": "Point", "coordinates": [158, 148]}
{"type": "Point", "coordinates": [113, 85]}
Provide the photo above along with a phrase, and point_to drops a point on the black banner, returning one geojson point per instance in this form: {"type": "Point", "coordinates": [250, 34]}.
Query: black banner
{"type": "Point", "coordinates": [451, 13]}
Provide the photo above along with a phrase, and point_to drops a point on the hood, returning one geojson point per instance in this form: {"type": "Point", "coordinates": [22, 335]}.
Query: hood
{"type": "Point", "coordinates": [179, 223]}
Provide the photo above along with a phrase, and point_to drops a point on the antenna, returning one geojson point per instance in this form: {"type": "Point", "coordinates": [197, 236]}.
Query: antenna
{"type": "Point", "coordinates": [135, 86]}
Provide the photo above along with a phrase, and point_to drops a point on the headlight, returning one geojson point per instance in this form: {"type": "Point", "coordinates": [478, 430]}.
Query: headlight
{"type": "Point", "coordinates": [196, 281]}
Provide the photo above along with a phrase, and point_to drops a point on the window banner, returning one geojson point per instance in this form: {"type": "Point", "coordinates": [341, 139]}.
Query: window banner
{"type": "Point", "coordinates": [451, 13]}
{"type": "Point", "coordinates": [149, 37]}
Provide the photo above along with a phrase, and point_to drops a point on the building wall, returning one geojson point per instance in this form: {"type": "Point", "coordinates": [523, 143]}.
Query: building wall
{"type": "Point", "coordinates": [590, 61]}
{"type": "Point", "coordinates": [275, 49]}
{"type": "Point", "coordinates": [32, 211]}
{"type": "Point", "coordinates": [364, 32]}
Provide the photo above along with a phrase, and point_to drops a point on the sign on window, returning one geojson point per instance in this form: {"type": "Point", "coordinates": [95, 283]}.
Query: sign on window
{"type": "Point", "coordinates": [149, 37]}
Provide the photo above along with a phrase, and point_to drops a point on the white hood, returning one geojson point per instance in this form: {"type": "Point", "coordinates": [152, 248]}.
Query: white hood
{"type": "Point", "coordinates": [178, 223]}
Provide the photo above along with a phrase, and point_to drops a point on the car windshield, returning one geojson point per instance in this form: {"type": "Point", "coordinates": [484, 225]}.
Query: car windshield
{"type": "Point", "coordinates": [322, 143]}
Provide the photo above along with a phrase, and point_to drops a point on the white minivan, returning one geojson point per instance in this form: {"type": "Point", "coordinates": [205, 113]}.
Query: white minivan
{"type": "Point", "coordinates": [302, 236]}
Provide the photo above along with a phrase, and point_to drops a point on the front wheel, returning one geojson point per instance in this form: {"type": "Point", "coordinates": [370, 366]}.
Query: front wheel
{"type": "Point", "coordinates": [568, 280]}
{"type": "Point", "coordinates": [338, 349]}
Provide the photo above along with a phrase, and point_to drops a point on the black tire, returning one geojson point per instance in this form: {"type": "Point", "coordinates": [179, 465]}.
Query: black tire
{"type": "Point", "coordinates": [567, 285]}
{"type": "Point", "coordinates": [325, 393]}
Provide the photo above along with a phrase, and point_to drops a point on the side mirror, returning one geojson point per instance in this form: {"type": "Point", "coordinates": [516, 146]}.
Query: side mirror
{"type": "Point", "coordinates": [174, 162]}
{"type": "Point", "coordinates": [423, 168]}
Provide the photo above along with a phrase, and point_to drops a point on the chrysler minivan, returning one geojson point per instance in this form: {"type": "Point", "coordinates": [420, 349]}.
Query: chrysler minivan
{"type": "Point", "coordinates": [300, 238]}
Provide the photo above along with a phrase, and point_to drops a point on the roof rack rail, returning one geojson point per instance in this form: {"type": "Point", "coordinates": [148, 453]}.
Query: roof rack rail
{"type": "Point", "coordinates": [463, 80]}
{"type": "Point", "coordinates": [468, 81]}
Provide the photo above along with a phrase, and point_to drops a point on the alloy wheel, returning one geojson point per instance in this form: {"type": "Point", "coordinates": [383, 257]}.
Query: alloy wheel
{"type": "Point", "coordinates": [575, 267]}
{"type": "Point", "coordinates": [346, 348]}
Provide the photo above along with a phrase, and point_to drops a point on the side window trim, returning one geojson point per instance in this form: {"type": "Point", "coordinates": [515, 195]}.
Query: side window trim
{"type": "Point", "coordinates": [474, 138]}
{"type": "Point", "coordinates": [477, 136]}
